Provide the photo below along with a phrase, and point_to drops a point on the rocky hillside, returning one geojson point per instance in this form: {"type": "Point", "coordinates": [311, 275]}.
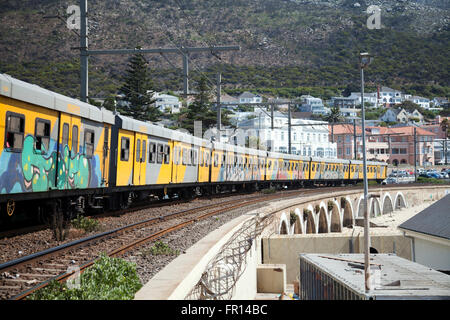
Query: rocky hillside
{"type": "Point", "coordinates": [284, 42]}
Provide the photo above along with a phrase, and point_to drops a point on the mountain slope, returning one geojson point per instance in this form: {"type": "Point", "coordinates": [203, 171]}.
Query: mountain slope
{"type": "Point", "coordinates": [313, 43]}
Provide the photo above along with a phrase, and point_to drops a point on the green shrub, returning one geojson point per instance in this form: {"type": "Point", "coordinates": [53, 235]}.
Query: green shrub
{"type": "Point", "coordinates": [292, 217]}
{"type": "Point", "coordinates": [108, 279]}
{"type": "Point", "coordinates": [84, 223]}
{"type": "Point", "coordinates": [268, 191]}
{"type": "Point", "coordinates": [161, 248]}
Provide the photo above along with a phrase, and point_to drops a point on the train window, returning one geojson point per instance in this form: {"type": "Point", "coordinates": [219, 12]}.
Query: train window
{"type": "Point", "coordinates": [15, 129]}
{"type": "Point", "coordinates": [75, 139]}
{"type": "Point", "coordinates": [124, 149]}
{"type": "Point", "coordinates": [65, 134]}
{"type": "Point", "coordinates": [151, 152]}
{"type": "Point", "coordinates": [224, 159]}
{"type": "Point", "coordinates": [216, 160]}
{"type": "Point", "coordinates": [160, 154]}
{"type": "Point", "coordinates": [207, 158]}
{"type": "Point", "coordinates": [89, 139]}
{"type": "Point", "coordinates": [138, 150]}
{"type": "Point", "coordinates": [184, 155]}
{"type": "Point", "coordinates": [176, 155]}
{"type": "Point", "coordinates": [166, 154]}
{"type": "Point", "coordinates": [195, 159]}
{"type": "Point", "coordinates": [144, 150]}
{"type": "Point", "coordinates": [105, 142]}
{"type": "Point", "coordinates": [42, 133]}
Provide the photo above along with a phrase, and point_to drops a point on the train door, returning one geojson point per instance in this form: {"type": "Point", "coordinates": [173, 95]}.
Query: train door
{"type": "Point", "coordinates": [105, 160]}
{"type": "Point", "coordinates": [139, 159]}
{"type": "Point", "coordinates": [203, 169]}
{"type": "Point", "coordinates": [69, 148]}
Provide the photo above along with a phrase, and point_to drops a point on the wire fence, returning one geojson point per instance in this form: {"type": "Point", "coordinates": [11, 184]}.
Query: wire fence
{"type": "Point", "coordinates": [222, 273]}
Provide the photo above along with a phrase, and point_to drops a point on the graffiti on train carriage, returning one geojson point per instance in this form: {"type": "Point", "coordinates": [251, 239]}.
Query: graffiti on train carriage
{"type": "Point", "coordinates": [35, 171]}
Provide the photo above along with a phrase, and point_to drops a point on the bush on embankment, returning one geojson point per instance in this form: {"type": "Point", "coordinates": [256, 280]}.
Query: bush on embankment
{"type": "Point", "coordinates": [107, 279]}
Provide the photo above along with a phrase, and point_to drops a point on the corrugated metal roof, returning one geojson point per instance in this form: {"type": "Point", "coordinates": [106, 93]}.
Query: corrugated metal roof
{"type": "Point", "coordinates": [397, 278]}
{"type": "Point", "coordinates": [434, 220]}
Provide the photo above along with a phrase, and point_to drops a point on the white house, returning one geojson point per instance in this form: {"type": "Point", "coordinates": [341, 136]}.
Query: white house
{"type": "Point", "coordinates": [167, 102]}
{"type": "Point", "coordinates": [248, 97]}
{"type": "Point", "coordinates": [430, 234]}
{"type": "Point", "coordinates": [439, 101]}
{"type": "Point", "coordinates": [349, 112]}
{"type": "Point", "coordinates": [371, 98]}
{"type": "Point", "coordinates": [421, 101]}
{"type": "Point", "coordinates": [390, 96]}
{"type": "Point", "coordinates": [312, 104]}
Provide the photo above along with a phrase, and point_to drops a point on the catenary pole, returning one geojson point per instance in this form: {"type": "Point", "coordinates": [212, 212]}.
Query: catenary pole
{"type": "Point", "coordinates": [366, 192]}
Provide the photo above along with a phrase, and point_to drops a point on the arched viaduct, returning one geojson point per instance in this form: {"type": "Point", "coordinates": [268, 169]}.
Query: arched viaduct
{"type": "Point", "coordinates": [334, 213]}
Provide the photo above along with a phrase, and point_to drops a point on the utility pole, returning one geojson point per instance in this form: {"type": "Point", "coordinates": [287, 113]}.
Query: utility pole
{"type": "Point", "coordinates": [354, 138]}
{"type": "Point", "coordinates": [219, 110]}
{"type": "Point", "coordinates": [365, 60]}
{"type": "Point", "coordinates": [271, 115]}
{"type": "Point", "coordinates": [415, 155]}
{"type": "Point", "coordinates": [84, 57]}
{"type": "Point", "coordinates": [85, 53]}
{"type": "Point", "coordinates": [289, 129]}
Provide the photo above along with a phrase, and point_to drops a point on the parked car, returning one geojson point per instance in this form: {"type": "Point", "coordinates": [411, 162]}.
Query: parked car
{"type": "Point", "coordinates": [430, 175]}
{"type": "Point", "coordinates": [389, 180]}
{"type": "Point", "coordinates": [444, 175]}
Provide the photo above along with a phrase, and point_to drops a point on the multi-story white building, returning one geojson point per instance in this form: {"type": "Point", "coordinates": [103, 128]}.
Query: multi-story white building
{"type": "Point", "coordinates": [248, 97]}
{"type": "Point", "coordinates": [370, 98]}
{"type": "Point", "coordinates": [308, 137]}
{"type": "Point", "coordinates": [312, 104]}
{"type": "Point", "coordinates": [165, 102]}
{"type": "Point", "coordinates": [390, 96]}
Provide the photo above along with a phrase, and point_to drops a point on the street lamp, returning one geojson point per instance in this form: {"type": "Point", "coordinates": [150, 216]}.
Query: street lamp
{"type": "Point", "coordinates": [364, 60]}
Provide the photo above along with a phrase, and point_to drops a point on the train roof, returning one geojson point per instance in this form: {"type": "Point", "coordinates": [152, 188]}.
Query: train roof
{"type": "Point", "coordinates": [159, 131]}
{"type": "Point", "coordinates": [319, 159]}
{"type": "Point", "coordinates": [23, 91]}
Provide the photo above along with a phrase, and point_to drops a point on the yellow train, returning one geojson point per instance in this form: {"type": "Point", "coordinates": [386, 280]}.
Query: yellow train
{"type": "Point", "coordinates": [65, 154]}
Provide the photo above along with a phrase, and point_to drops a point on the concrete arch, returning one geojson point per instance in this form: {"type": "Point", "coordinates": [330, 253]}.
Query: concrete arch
{"type": "Point", "coordinates": [322, 217]}
{"type": "Point", "coordinates": [297, 227]}
{"type": "Point", "coordinates": [400, 201]}
{"type": "Point", "coordinates": [387, 204]}
{"type": "Point", "coordinates": [347, 212]}
{"type": "Point", "coordinates": [360, 207]}
{"type": "Point", "coordinates": [335, 217]}
{"type": "Point", "coordinates": [374, 208]}
{"type": "Point", "coordinates": [310, 221]}
{"type": "Point", "coordinates": [283, 227]}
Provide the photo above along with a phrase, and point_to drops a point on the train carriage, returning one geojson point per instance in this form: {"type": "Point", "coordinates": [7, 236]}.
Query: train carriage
{"type": "Point", "coordinates": [50, 141]}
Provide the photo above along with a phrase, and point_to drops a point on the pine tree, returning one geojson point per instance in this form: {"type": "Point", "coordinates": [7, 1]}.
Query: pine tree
{"type": "Point", "coordinates": [137, 89]}
{"type": "Point", "coordinates": [199, 110]}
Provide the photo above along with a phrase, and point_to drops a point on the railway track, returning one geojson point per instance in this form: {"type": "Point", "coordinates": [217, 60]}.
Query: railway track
{"type": "Point", "coordinates": [21, 277]}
